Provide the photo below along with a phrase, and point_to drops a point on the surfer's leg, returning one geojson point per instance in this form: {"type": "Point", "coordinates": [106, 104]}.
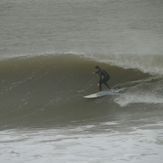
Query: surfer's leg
{"type": "Point", "coordinates": [106, 84]}
{"type": "Point", "coordinates": [100, 85]}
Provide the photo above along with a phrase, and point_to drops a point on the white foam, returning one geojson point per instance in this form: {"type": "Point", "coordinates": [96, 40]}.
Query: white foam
{"type": "Point", "coordinates": [130, 98]}
{"type": "Point", "coordinates": [66, 146]}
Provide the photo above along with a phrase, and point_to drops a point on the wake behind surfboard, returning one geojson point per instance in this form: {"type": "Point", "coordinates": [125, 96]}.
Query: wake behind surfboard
{"type": "Point", "coordinates": [102, 94]}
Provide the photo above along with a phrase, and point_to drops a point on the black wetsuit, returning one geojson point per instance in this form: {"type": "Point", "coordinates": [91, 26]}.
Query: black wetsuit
{"type": "Point", "coordinates": [104, 78]}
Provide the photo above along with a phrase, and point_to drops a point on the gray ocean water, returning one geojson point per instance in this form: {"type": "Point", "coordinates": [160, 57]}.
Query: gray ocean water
{"type": "Point", "coordinates": [48, 51]}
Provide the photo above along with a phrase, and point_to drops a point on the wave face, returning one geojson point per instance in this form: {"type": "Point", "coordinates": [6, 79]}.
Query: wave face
{"type": "Point", "coordinates": [47, 90]}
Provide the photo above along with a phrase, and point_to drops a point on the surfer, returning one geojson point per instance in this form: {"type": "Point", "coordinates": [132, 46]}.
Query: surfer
{"type": "Point", "coordinates": [104, 77]}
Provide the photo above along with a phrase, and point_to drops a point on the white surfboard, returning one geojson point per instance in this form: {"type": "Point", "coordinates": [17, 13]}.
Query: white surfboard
{"type": "Point", "coordinates": [102, 93]}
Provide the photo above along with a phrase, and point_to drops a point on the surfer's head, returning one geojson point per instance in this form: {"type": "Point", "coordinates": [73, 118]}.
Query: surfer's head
{"type": "Point", "coordinates": [97, 67]}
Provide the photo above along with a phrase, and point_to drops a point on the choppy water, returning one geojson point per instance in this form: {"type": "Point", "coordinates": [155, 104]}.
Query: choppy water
{"type": "Point", "coordinates": [48, 51]}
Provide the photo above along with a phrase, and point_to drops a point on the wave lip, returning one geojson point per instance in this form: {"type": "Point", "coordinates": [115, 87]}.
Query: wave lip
{"type": "Point", "coordinates": [151, 64]}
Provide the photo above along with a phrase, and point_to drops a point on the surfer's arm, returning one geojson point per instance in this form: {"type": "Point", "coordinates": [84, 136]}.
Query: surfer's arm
{"type": "Point", "coordinates": [97, 72]}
